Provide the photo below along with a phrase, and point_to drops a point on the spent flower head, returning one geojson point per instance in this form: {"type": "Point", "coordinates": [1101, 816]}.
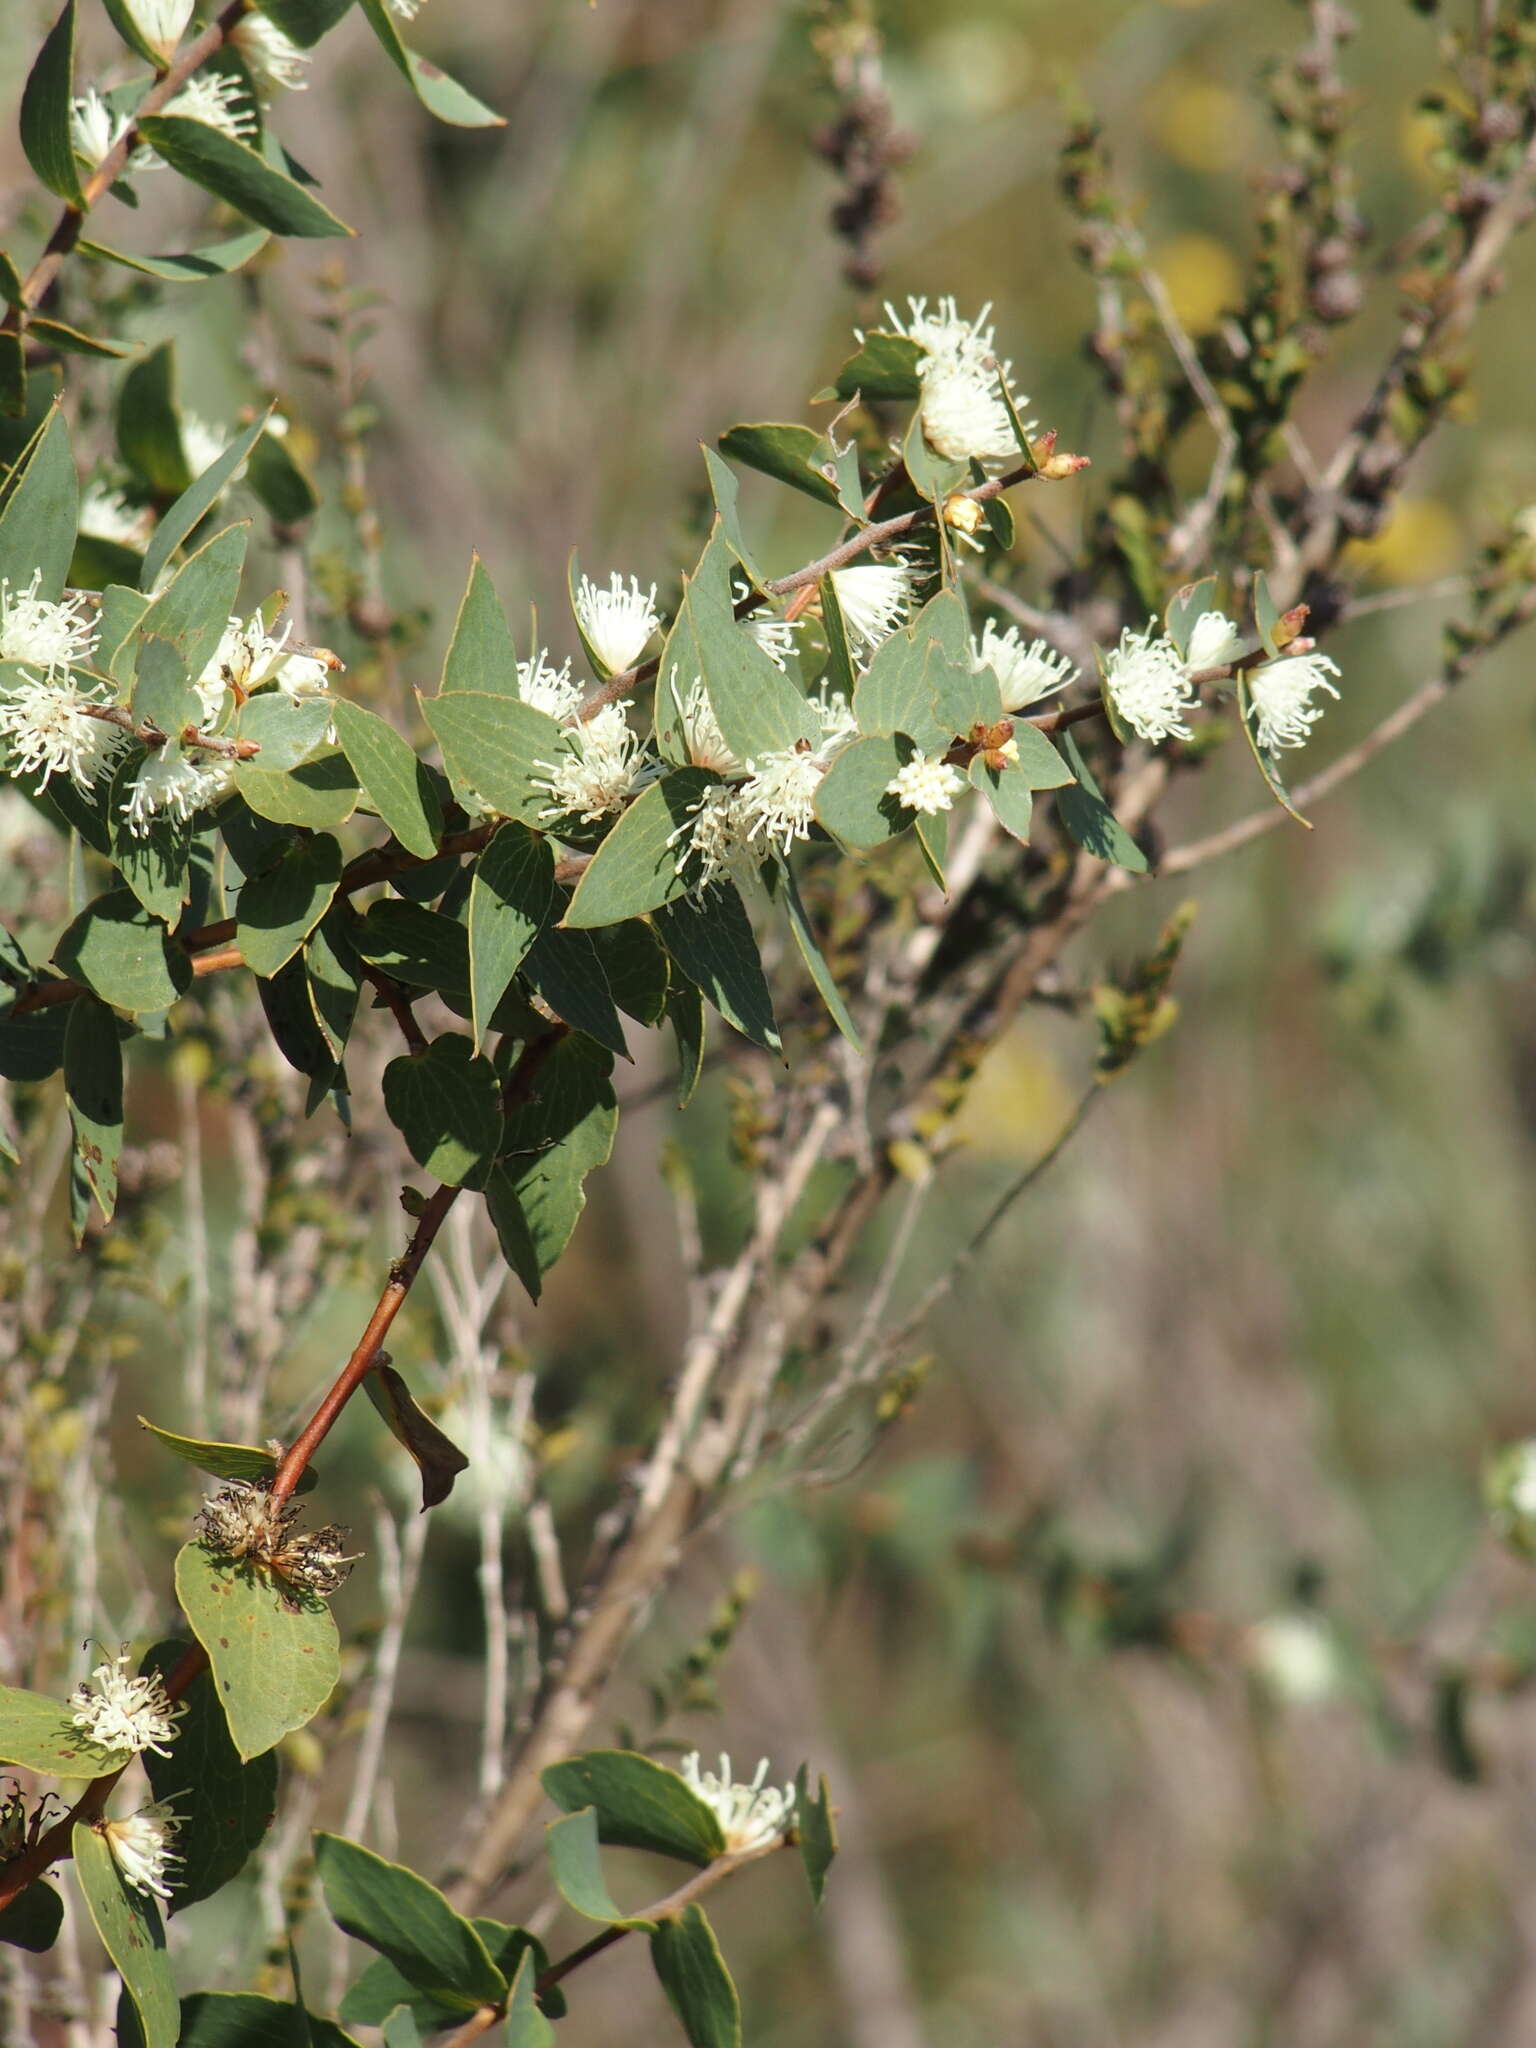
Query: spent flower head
{"type": "Point", "coordinates": [751, 1815]}
{"type": "Point", "coordinates": [124, 1711]}
{"type": "Point", "coordinates": [141, 1847]}
{"type": "Point", "coordinates": [1148, 686]}
{"type": "Point", "coordinates": [616, 623]}
{"type": "Point", "coordinates": [1282, 693]}
{"type": "Point", "coordinates": [243, 1522]}
{"type": "Point", "coordinates": [1024, 674]}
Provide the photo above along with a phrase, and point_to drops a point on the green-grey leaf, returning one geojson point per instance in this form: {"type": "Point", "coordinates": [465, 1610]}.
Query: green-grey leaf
{"type": "Point", "coordinates": [37, 527]}
{"type": "Point", "coordinates": [279, 908]}
{"type": "Point", "coordinates": [218, 259]}
{"type": "Point", "coordinates": [242, 2019]}
{"type": "Point", "coordinates": [124, 955]}
{"type": "Point", "coordinates": [225, 1461]}
{"type": "Point", "coordinates": [441, 95]}
{"type": "Point", "coordinates": [194, 504]}
{"type": "Point", "coordinates": [576, 1866]}
{"type": "Point", "coordinates": [394, 781]}
{"type": "Point", "coordinates": [148, 430]}
{"type": "Point", "coordinates": [725, 491]}
{"type": "Point", "coordinates": [288, 731]}
{"type": "Point", "coordinates": [194, 609]}
{"type": "Point", "coordinates": [320, 794]}
{"type": "Point", "coordinates": [510, 900]}
{"type": "Point", "coordinates": [225, 1805]}
{"type": "Point", "coordinates": [33, 1918]}
{"type": "Point", "coordinates": [885, 366]}
{"type": "Point", "coordinates": [639, 1804]}
{"type": "Point", "coordinates": [93, 1083]}
{"type": "Point", "coordinates": [793, 453]}
{"type": "Point", "coordinates": [129, 1925]}
{"type": "Point", "coordinates": [636, 867]}
{"type": "Point", "coordinates": [237, 174]}
{"type": "Point", "coordinates": [406, 1919]}
{"type": "Point", "coordinates": [565, 969]}
{"type": "Point", "coordinates": [552, 1141]}
{"type": "Point", "coordinates": [37, 1734]}
{"type": "Point", "coordinates": [275, 1658]}
{"type": "Point", "coordinates": [1089, 820]}
{"type": "Point", "coordinates": [811, 954]}
{"type": "Point", "coordinates": [45, 110]}
{"type": "Point", "coordinates": [481, 655]}
{"type": "Point", "coordinates": [815, 1830]}
{"type": "Point", "coordinates": [712, 942]}
{"type": "Point", "coordinates": [692, 1972]}
{"type": "Point", "coordinates": [497, 748]}
{"type": "Point", "coordinates": [852, 799]}
{"type": "Point", "coordinates": [163, 695]}
{"type": "Point", "coordinates": [446, 1104]}
{"type": "Point", "coordinates": [1009, 793]}
{"type": "Point", "coordinates": [416, 945]}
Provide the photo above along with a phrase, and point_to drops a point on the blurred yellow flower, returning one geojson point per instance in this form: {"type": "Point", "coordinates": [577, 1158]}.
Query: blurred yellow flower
{"type": "Point", "coordinates": [1017, 1102]}
{"type": "Point", "coordinates": [1202, 125]}
{"type": "Point", "coordinates": [1420, 540]}
{"type": "Point", "coordinates": [1202, 278]}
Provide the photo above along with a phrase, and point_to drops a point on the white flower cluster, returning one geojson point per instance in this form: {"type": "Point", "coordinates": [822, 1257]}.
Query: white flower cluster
{"type": "Point", "coordinates": [600, 765]}
{"type": "Point", "coordinates": [1152, 686]}
{"type": "Point", "coordinates": [751, 1815]}
{"type": "Point", "coordinates": [961, 403]}
{"type": "Point", "coordinates": [1024, 674]}
{"type": "Point", "coordinates": [123, 1712]}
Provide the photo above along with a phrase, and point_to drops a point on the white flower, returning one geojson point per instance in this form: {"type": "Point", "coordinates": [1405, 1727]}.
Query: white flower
{"type": "Point", "coordinates": [406, 10]}
{"type": "Point", "coordinates": [107, 515]}
{"type": "Point", "coordinates": [776, 637]}
{"type": "Point", "coordinates": [94, 130]}
{"type": "Point", "coordinates": [874, 600]}
{"type": "Point", "coordinates": [162, 22]}
{"type": "Point", "coordinates": [141, 1847]}
{"type": "Point", "coordinates": [547, 688]}
{"type": "Point", "coordinates": [248, 656]}
{"type": "Point", "coordinates": [123, 1712]}
{"type": "Point", "coordinates": [1295, 1656]}
{"type": "Point", "coordinates": [273, 59]}
{"type": "Point", "coordinates": [924, 785]}
{"type": "Point", "coordinates": [51, 733]}
{"type": "Point", "coordinates": [835, 716]}
{"type": "Point", "coordinates": [1282, 698]}
{"type": "Point", "coordinates": [1213, 643]}
{"type": "Point", "coordinates": [177, 785]}
{"type": "Point", "coordinates": [218, 101]}
{"type": "Point", "coordinates": [706, 743]}
{"type": "Point", "coordinates": [1024, 674]}
{"type": "Point", "coordinates": [713, 842]}
{"type": "Point", "coordinates": [961, 404]}
{"type": "Point", "coordinates": [1521, 1494]}
{"type": "Point", "coordinates": [752, 1815]}
{"type": "Point", "coordinates": [53, 636]}
{"type": "Point", "coordinates": [203, 442]}
{"type": "Point", "coordinates": [616, 623]}
{"type": "Point", "coordinates": [778, 799]}
{"type": "Point", "coordinates": [597, 770]}
{"type": "Point", "coordinates": [1147, 684]}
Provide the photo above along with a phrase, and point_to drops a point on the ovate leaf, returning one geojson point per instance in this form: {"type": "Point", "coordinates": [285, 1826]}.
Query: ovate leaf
{"type": "Point", "coordinates": [45, 110]}
{"type": "Point", "coordinates": [124, 955]}
{"type": "Point", "coordinates": [438, 93]}
{"type": "Point", "coordinates": [128, 1922]}
{"type": "Point", "coordinates": [275, 1658]}
{"type": "Point", "coordinates": [38, 1734]}
{"type": "Point", "coordinates": [409, 1921]}
{"type": "Point", "coordinates": [237, 174]}
{"type": "Point", "coordinates": [93, 1082]}
{"type": "Point", "coordinates": [37, 527]}
{"type": "Point", "coordinates": [446, 1104]}
{"type": "Point", "coordinates": [636, 868]}
{"type": "Point", "coordinates": [394, 781]}
{"type": "Point", "coordinates": [510, 901]}
{"type": "Point", "coordinates": [639, 1804]}
{"type": "Point", "coordinates": [692, 1972]}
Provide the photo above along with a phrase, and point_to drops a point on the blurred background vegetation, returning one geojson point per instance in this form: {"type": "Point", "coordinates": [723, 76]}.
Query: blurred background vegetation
{"type": "Point", "coordinates": [1249, 1344]}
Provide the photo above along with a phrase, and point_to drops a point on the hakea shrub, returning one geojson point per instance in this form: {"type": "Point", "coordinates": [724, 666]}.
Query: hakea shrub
{"type": "Point", "coordinates": [587, 851]}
